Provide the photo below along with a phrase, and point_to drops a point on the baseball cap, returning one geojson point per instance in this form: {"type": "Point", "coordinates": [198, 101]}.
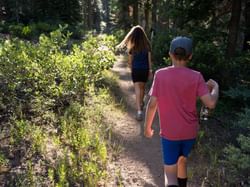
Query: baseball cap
{"type": "Point", "coordinates": [182, 42]}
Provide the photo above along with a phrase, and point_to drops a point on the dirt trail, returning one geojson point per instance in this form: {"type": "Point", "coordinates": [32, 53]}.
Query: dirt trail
{"type": "Point", "coordinates": [140, 162]}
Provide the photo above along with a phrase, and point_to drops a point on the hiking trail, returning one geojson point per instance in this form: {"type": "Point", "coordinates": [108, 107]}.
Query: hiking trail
{"type": "Point", "coordinates": [140, 162]}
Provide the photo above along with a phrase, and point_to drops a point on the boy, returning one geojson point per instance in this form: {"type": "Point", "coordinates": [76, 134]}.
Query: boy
{"type": "Point", "coordinates": [174, 92]}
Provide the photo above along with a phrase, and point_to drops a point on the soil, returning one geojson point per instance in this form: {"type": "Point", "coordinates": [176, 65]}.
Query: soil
{"type": "Point", "coordinates": [139, 162]}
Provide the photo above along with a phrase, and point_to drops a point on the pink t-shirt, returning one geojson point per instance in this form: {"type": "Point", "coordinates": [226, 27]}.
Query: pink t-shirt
{"type": "Point", "coordinates": [176, 90]}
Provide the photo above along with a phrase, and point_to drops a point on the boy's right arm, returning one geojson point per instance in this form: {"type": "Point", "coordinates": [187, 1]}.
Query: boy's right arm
{"type": "Point", "coordinates": [150, 113]}
{"type": "Point", "coordinates": [211, 98]}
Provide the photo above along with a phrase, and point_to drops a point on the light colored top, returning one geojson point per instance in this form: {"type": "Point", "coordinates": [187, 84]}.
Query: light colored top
{"type": "Point", "coordinates": [176, 90]}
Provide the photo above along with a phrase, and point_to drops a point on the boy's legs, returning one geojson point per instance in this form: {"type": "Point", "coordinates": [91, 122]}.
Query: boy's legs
{"type": "Point", "coordinates": [182, 167]}
{"type": "Point", "coordinates": [175, 155]}
{"type": "Point", "coordinates": [170, 175]}
{"type": "Point", "coordinates": [186, 147]}
{"type": "Point", "coordinates": [171, 150]}
{"type": "Point", "coordinates": [182, 171]}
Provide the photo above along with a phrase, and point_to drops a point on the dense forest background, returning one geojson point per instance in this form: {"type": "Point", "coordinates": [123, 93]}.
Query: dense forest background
{"type": "Point", "coordinates": [221, 27]}
{"type": "Point", "coordinates": [37, 36]}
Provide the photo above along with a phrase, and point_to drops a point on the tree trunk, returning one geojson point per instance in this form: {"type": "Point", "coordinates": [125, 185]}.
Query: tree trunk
{"type": "Point", "coordinates": [2, 10]}
{"type": "Point", "coordinates": [154, 14]}
{"type": "Point", "coordinates": [246, 45]}
{"type": "Point", "coordinates": [106, 15]}
{"type": "Point", "coordinates": [147, 16]}
{"type": "Point", "coordinates": [124, 20]}
{"type": "Point", "coordinates": [135, 12]}
{"type": "Point", "coordinates": [234, 28]}
{"type": "Point", "coordinates": [17, 11]}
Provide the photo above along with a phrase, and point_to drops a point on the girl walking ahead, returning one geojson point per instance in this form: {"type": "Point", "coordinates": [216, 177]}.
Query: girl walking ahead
{"type": "Point", "coordinates": [139, 61]}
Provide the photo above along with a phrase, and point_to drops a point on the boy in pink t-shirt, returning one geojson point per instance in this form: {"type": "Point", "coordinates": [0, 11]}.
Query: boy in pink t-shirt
{"type": "Point", "coordinates": [174, 93]}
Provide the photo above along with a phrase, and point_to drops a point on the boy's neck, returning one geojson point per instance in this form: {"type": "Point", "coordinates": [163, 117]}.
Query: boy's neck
{"type": "Point", "coordinates": [179, 63]}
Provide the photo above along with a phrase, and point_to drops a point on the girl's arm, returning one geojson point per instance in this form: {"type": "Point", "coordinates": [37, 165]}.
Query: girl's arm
{"type": "Point", "coordinates": [150, 75]}
{"type": "Point", "coordinates": [130, 58]}
{"type": "Point", "coordinates": [150, 61]}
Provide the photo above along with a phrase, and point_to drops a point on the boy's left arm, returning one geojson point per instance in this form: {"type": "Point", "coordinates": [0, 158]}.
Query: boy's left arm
{"type": "Point", "coordinates": [150, 113]}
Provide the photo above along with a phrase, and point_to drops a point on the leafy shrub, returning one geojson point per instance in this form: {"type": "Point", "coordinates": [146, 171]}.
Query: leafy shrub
{"type": "Point", "coordinates": [239, 96]}
{"type": "Point", "coordinates": [44, 93]}
{"type": "Point", "coordinates": [49, 71]}
{"type": "Point", "coordinates": [160, 46]}
{"type": "Point", "coordinates": [208, 59]}
{"type": "Point", "coordinates": [3, 27]}
{"type": "Point", "coordinates": [16, 29]}
{"type": "Point", "coordinates": [237, 157]}
{"type": "Point", "coordinates": [3, 160]}
{"type": "Point", "coordinates": [43, 27]}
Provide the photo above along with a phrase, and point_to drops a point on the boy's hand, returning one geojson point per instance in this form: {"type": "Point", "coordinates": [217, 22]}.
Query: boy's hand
{"type": "Point", "coordinates": [211, 84]}
{"type": "Point", "coordinates": [148, 132]}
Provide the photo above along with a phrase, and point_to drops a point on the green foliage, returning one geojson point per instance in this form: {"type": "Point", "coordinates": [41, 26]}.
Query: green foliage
{"type": "Point", "coordinates": [30, 10]}
{"type": "Point", "coordinates": [208, 59]}
{"type": "Point", "coordinates": [46, 91]}
{"type": "Point", "coordinates": [244, 121]}
{"type": "Point", "coordinates": [160, 46]}
{"type": "Point", "coordinates": [37, 139]}
{"type": "Point", "coordinates": [239, 95]}
{"type": "Point", "coordinates": [67, 75]}
{"type": "Point", "coordinates": [3, 160]}
{"type": "Point", "coordinates": [19, 132]}
{"type": "Point", "coordinates": [237, 157]}
{"type": "Point", "coordinates": [85, 159]}
{"type": "Point", "coordinates": [238, 161]}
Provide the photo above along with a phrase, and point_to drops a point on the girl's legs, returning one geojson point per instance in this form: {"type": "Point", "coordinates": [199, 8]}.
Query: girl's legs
{"type": "Point", "coordinates": [142, 93]}
{"type": "Point", "coordinates": [137, 95]}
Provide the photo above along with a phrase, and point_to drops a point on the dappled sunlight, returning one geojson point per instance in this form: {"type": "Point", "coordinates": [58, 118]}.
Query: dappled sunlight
{"type": "Point", "coordinates": [140, 160]}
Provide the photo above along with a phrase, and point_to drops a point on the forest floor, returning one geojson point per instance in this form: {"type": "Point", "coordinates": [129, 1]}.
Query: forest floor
{"type": "Point", "coordinates": [139, 162]}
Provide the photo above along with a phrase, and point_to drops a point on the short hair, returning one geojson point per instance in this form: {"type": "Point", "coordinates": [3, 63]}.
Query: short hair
{"type": "Point", "coordinates": [181, 54]}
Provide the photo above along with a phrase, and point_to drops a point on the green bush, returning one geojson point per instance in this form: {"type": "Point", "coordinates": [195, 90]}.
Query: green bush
{"type": "Point", "coordinates": [237, 157]}
{"type": "Point", "coordinates": [3, 27]}
{"type": "Point", "coordinates": [16, 29]}
{"type": "Point", "coordinates": [46, 91]}
{"type": "Point", "coordinates": [160, 47]}
{"type": "Point", "coordinates": [50, 72]}
{"type": "Point", "coordinates": [43, 27]}
{"type": "Point", "coordinates": [208, 59]}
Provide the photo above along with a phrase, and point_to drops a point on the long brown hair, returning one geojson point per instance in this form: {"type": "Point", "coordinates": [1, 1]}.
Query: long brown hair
{"type": "Point", "coordinates": [136, 40]}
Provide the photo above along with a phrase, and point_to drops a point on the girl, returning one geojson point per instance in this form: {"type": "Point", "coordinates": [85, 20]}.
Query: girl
{"type": "Point", "coordinates": [139, 60]}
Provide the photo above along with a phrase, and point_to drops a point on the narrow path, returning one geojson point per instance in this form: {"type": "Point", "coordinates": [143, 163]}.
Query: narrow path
{"type": "Point", "coordinates": [140, 162]}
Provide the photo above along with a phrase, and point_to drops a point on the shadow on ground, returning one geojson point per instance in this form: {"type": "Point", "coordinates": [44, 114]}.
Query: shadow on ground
{"type": "Point", "coordinates": [145, 151]}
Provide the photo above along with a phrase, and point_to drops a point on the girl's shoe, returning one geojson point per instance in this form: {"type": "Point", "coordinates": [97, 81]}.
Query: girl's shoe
{"type": "Point", "coordinates": [139, 116]}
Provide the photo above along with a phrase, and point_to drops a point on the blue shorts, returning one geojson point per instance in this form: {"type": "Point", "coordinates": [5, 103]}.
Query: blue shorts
{"type": "Point", "coordinates": [173, 149]}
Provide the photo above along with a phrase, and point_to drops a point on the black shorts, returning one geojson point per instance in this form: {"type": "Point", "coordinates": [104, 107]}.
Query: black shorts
{"type": "Point", "coordinates": [140, 75]}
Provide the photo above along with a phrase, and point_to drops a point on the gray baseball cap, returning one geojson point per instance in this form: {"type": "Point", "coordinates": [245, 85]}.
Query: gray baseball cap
{"type": "Point", "coordinates": [182, 42]}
